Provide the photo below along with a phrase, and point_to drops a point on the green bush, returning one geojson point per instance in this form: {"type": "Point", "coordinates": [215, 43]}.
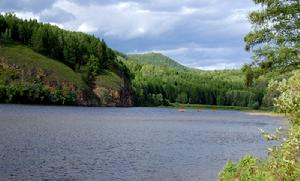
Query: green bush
{"type": "Point", "coordinates": [283, 162]}
{"type": "Point", "coordinates": [35, 94]}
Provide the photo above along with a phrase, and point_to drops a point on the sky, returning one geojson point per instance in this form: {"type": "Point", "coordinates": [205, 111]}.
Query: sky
{"type": "Point", "coordinates": [204, 34]}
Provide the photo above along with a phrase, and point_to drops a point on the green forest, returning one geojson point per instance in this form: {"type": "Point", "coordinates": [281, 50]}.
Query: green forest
{"type": "Point", "coordinates": [30, 72]}
{"type": "Point", "coordinates": [169, 82]}
{"type": "Point", "coordinates": [96, 73]}
{"type": "Point", "coordinates": [147, 80]}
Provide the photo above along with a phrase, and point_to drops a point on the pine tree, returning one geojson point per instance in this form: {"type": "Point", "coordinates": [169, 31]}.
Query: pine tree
{"type": "Point", "coordinates": [37, 40]}
{"type": "Point", "coordinates": [275, 38]}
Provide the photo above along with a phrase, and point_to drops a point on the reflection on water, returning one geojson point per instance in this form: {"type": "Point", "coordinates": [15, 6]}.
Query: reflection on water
{"type": "Point", "coordinates": [78, 143]}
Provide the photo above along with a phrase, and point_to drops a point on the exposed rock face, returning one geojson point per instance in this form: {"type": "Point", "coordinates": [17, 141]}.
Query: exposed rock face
{"type": "Point", "coordinates": [126, 93]}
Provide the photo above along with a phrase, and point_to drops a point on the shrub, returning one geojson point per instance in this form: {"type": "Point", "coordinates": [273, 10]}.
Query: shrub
{"type": "Point", "coordinates": [283, 162]}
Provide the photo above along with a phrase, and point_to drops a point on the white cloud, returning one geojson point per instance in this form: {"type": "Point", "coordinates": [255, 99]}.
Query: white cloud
{"type": "Point", "coordinates": [128, 20]}
{"type": "Point", "coordinates": [27, 15]}
{"type": "Point", "coordinates": [123, 20]}
{"type": "Point", "coordinates": [87, 28]}
{"type": "Point", "coordinates": [221, 66]}
{"type": "Point", "coordinates": [206, 58]}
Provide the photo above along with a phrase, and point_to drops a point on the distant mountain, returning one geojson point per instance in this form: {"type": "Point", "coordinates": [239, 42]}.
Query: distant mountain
{"type": "Point", "coordinates": [155, 59]}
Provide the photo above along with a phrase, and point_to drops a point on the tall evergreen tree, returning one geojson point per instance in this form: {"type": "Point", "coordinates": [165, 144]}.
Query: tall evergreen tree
{"type": "Point", "coordinates": [275, 37]}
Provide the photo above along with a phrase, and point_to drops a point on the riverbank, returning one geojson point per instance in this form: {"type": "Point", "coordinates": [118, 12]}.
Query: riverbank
{"type": "Point", "coordinates": [282, 163]}
{"type": "Point", "coordinates": [261, 111]}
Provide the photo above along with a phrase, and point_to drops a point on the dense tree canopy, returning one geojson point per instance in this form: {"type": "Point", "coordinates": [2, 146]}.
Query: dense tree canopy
{"type": "Point", "coordinates": [157, 85]}
{"type": "Point", "coordinates": [82, 52]}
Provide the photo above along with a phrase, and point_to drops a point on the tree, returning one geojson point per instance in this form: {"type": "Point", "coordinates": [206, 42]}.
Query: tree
{"type": "Point", "coordinates": [3, 25]}
{"type": "Point", "coordinates": [93, 66]}
{"type": "Point", "coordinates": [249, 75]}
{"type": "Point", "coordinates": [37, 40]}
{"type": "Point", "coordinates": [275, 38]}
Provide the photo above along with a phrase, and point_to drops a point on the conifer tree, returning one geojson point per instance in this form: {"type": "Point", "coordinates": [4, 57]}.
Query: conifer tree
{"type": "Point", "coordinates": [275, 36]}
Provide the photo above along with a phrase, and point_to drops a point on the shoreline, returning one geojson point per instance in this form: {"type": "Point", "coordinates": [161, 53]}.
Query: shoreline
{"type": "Point", "coordinates": [262, 111]}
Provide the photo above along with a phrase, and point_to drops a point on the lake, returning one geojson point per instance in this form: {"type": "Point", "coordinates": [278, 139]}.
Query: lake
{"type": "Point", "coordinates": [90, 143]}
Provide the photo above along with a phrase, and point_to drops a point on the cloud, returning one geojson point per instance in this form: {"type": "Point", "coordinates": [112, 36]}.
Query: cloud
{"type": "Point", "coordinates": [87, 28]}
{"type": "Point", "coordinates": [197, 56]}
{"type": "Point", "coordinates": [55, 14]}
{"type": "Point", "coordinates": [221, 66]}
{"type": "Point", "coordinates": [27, 15]}
{"type": "Point", "coordinates": [34, 6]}
{"type": "Point", "coordinates": [197, 33]}
{"type": "Point", "coordinates": [124, 20]}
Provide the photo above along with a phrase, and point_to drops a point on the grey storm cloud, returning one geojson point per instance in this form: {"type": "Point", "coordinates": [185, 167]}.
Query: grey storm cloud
{"type": "Point", "coordinates": [198, 33]}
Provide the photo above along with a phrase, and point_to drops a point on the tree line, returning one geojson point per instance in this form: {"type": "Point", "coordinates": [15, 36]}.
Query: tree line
{"type": "Point", "coordinates": [84, 53]}
{"type": "Point", "coordinates": [160, 85]}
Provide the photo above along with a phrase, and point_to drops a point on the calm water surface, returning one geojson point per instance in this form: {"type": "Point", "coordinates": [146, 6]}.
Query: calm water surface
{"type": "Point", "coordinates": [78, 143]}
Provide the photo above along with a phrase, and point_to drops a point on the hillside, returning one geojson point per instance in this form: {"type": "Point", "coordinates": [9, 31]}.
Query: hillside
{"type": "Point", "coordinates": [160, 85]}
{"type": "Point", "coordinates": [155, 59]}
{"type": "Point", "coordinates": [29, 77]}
{"type": "Point", "coordinates": [42, 63]}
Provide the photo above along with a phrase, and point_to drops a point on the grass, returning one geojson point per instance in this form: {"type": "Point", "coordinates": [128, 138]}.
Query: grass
{"type": "Point", "coordinates": [20, 66]}
{"type": "Point", "coordinates": [109, 80]}
{"type": "Point", "coordinates": [26, 59]}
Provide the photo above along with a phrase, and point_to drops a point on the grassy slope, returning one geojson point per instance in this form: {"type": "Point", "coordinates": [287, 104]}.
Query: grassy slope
{"type": "Point", "coordinates": [26, 59]}
{"type": "Point", "coordinates": [21, 65]}
{"type": "Point", "coordinates": [155, 59]}
{"type": "Point", "coordinates": [109, 80]}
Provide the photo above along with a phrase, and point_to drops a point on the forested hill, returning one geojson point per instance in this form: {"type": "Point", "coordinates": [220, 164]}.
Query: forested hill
{"type": "Point", "coordinates": [160, 85]}
{"type": "Point", "coordinates": [155, 59]}
{"type": "Point", "coordinates": [41, 63]}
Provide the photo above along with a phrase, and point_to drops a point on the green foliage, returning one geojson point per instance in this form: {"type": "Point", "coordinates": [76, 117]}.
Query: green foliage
{"type": "Point", "coordinates": [93, 66]}
{"type": "Point", "coordinates": [289, 99]}
{"type": "Point", "coordinates": [34, 93]}
{"type": "Point", "coordinates": [189, 86]}
{"type": "Point", "coordinates": [283, 162]}
{"type": "Point", "coordinates": [28, 77]}
{"type": "Point", "coordinates": [275, 42]}
{"type": "Point", "coordinates": [34, 66]}
{"type": "Point", "coordinates": [75, 49]}
{"type": "Point", "coordinates": [80, 58]}
{"type": "Point", "coordinates": [229, 172]}
{"type": "Point", "coordinates": [249, 75]}
{"type": "Point", "coordinates": [240, 98]}
{"type": "Point", "coordinates": [109, 80]}
{"type": "Point", "coordinates": [275, 35]}
{"type": "Point", "coordinates": [155, 59]}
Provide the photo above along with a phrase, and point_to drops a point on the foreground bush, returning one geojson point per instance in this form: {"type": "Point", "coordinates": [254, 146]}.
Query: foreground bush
{"type": "Point", "coordinates": [283, 162]}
